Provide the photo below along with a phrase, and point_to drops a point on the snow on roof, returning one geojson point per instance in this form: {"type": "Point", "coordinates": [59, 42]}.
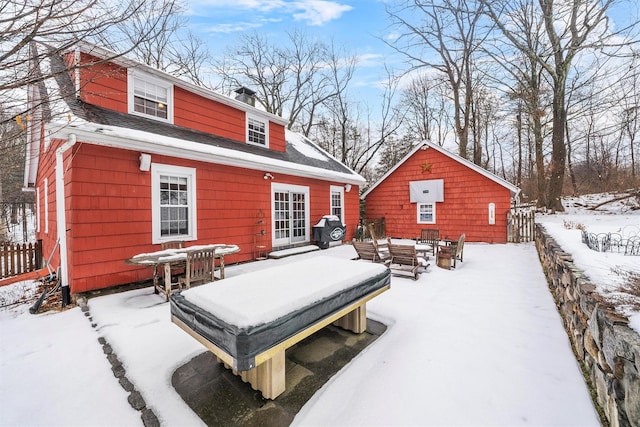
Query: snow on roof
{"type": "Point", "coordinates": [300, 143]}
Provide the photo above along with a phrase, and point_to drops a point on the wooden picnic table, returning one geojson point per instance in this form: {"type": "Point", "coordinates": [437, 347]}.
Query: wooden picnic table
{"type": "Point", "coordinates": [176, 259]}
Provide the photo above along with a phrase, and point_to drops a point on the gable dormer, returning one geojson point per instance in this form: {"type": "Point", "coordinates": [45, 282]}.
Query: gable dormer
{"type": "Point", "coordinates": [132, 88]}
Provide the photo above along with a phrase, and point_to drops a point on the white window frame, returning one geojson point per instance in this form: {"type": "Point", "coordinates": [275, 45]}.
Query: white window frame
{"type": "Point", "coordinates": [278, 187]}
{"type": "Point", "coordinates": [38, 213]}
{"type": "Point", "coordinates": [158, 169]}
{"type": "Point", "coordinates": [132, 75]}
{"type": "Point", "coordinates": [46, 206]}
{"type": "Point", "coordinates": [255, 118]}
{"type": "Point", "coordinates": [337, 189]}
{"type": "Point", "coordinates": [433, 208]}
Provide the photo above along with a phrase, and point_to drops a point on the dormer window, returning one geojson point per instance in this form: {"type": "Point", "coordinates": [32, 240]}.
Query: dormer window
{"type": "Point", "coordinates": [257, 131]}
{"type": "Point", "coordinates": [150, 97]}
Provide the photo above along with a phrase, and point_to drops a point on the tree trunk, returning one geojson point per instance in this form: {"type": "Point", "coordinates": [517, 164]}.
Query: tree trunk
{"type": "Point", "coordinates": [559, 151]}
{"type": "Point", "coordinates": [570, 164]}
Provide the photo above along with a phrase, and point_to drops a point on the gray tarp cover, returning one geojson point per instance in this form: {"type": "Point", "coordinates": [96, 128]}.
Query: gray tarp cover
{"type": "Point", "coordinates": [245, 343]}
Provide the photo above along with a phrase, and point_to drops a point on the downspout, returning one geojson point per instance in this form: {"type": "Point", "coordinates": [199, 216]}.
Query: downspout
{"type": "Point", "coordinates": [61, 218]}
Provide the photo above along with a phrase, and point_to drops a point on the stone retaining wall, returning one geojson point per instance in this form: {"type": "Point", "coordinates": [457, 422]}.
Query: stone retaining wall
{"type": "Point", "coordinates": [607, 348]}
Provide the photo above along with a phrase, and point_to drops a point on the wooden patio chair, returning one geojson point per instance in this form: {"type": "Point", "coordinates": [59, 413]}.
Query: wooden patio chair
{"type": "Point", "coordinates": [430, 236]}
{"type": "Point", "coordinates": [405, 260]}
{"type": "Point", "coordinates": [200, 267]}
{"type": "Point", "coordinates": [174, 244]}
{"type": "Point", "coordinates": [381, 243]}
{"type": "Point", "coordinates": [368, 251]}
{"type": "Point", "coordinates": [457, 250]}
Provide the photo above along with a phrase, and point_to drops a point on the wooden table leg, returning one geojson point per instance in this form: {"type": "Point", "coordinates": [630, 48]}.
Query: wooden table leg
{"type": "Point", "coordinates": [354, 321]}
{"type": "Point", "coordinates": [155, 279]}
{"type": "Point", "coordinates": [167, 280]}
{"type": "Point", "coordinates": [221, 266]}
{"type": "Point", "coordinates": [268, 377]}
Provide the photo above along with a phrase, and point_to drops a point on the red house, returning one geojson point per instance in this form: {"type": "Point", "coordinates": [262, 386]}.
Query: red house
{"type": "Point", "coordinates": [433, 188]}
{"type": "Point", "coordinates": [123, 157]}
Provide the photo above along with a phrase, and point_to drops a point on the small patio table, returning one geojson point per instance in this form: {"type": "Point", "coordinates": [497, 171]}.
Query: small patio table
{"type": "Point", "coordinates": [422, 249]}
{"type": "Point", "coordinates": [177, 258]}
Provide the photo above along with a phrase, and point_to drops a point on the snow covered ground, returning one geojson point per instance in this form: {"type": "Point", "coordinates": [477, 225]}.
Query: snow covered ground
{"type": "Point", "coordinates": [479, 345]}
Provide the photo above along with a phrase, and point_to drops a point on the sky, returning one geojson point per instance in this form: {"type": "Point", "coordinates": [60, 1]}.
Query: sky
{"type": "Point", "coordinates": [448, 357]}
{"type": "Point", "coordinates": [359, 26]}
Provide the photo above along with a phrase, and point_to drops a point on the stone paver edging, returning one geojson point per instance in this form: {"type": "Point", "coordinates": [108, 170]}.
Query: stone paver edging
{"type": "Point", "coordinates": [149, 418]}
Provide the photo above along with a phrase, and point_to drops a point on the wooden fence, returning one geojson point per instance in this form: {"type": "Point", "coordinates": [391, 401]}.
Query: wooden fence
{"type": "Point", "coordinates": [521, 226]}
{"type": "Point", "coordinates": [378, 226]}
{"type": "Point", "coordinates": [19, 258]}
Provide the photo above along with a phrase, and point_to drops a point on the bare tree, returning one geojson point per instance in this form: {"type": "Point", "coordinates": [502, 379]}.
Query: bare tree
{"type": "Point", "coordinates": [292, 80]}
{"type": "Point", "coordinates": [443, 35]}
{"type": "Point", "coordinates": [59, 25]}
{"type": "Point", "coordinates": [571, 27]}
{"type": "Point", "coordinates": [174, 48]}
{"type": "Point", "coordinates": [347, 132]}
{"type": "Point", "coordinates": [528, 86]}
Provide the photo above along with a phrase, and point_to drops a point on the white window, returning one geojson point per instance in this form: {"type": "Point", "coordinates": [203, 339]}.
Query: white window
{"type": "Point", "coordinates": [150, 97]}
{"type": "Point", "coordinates": [426, 213]}
{"type": "Point", "coordinates": [173, 200]}
{"type": "Point", "coordinates": [290, 213]}
{"type": "Point", "coordinates": [337, 202]}
{"type": "Point", "coordinates": [257, 131]}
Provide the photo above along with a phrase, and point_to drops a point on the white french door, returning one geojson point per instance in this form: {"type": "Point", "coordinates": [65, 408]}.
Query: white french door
{"type": "Point", "coordinates": [290, 213]}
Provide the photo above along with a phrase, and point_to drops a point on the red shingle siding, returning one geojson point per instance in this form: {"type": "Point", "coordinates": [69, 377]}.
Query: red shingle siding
{"type": "Point", "coordinates": [465, 209]}
{"type": "Point", "coordinates": [195, 112]}
{"type": "Point", "coordinates": [110, 219]}
{"type": "Point", "coordinates": [103, 84]}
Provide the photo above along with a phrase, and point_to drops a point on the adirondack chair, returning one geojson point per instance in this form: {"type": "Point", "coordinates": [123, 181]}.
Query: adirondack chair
{"type": "Point", "coordinates": [405, 260]}
{"type": "Point", "coordinates": [381, 243]}
{"type": "Point", "coordinates": [457, 250]}
{"type": "Point", "coordinates": [430, 236]}
{"type": "Point", "coordinates": [369, 251]}
{"type": "Point", "coordinates": [200, 267]}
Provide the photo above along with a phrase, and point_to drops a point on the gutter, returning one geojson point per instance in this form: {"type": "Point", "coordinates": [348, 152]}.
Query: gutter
{"type": "Point", "coordinates": [61, 219]}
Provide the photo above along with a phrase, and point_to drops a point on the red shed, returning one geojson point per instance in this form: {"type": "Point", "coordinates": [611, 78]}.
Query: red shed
{"type": "Point", "coordinates": [123, 157]}
{"type": "Point", "coordinates": [433, 188]}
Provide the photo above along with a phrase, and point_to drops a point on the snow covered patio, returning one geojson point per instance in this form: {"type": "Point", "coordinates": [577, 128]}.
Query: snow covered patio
{"type": "Point", "coordinates": [479, 345]}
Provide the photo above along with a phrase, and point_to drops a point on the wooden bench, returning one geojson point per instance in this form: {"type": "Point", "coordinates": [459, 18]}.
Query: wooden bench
{"type": "Point", "coordinates": [248, 321]}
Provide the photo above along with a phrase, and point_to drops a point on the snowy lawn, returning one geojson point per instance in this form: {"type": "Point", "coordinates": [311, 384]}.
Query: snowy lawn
{"type": "Point", "coordinates": [480, 345]}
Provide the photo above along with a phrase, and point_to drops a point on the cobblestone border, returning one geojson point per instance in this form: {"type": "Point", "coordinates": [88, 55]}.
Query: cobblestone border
{"type": "Point", "coordinates": [135, 399]}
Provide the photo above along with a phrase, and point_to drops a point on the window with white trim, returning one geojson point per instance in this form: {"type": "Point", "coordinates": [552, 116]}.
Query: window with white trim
{"type": "Point", "coordinates": [173, 199]}
{"type": "Point", "coordinates": [426, 213]}
{"type": "Point", "coordinates": [150, 97]}
{"type": "Point", "coordinates": [257, 131]}
{"type": "Point", "coordinates": [337, 202]}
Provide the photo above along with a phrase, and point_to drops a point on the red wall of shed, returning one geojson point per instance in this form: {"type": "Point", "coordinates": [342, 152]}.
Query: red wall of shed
{"type": "Point", "coordinates": [467, 195]}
